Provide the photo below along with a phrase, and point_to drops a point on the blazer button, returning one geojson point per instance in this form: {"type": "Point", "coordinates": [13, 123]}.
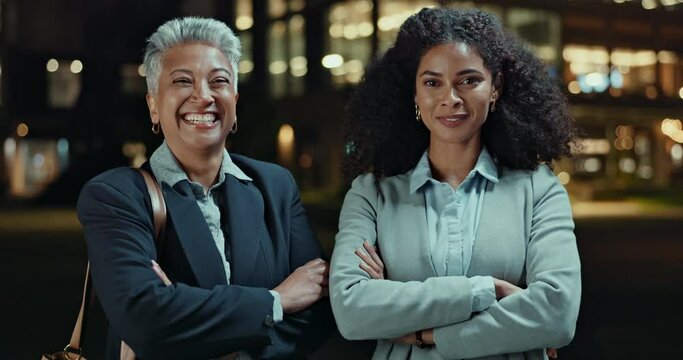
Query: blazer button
{"type": "Point", "coordinates": [269, 320]}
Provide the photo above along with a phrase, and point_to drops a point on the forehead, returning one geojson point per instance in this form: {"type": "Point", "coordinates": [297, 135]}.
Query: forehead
{"type": "Point", "coordinates": [194, 56]}
{"type": "Point", "coordinates": [452, 55]}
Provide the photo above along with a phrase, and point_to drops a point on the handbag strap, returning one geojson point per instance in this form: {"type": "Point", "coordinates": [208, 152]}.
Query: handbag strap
{"type": "Point", "coordinates": [159, 217]}
{"type": "Point", "coordinates": [158, 208]}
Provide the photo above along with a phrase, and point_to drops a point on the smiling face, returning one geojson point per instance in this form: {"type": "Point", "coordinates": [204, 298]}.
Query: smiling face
{"type": "Point", "coordinates": [195, 100]}
{"type": "Point", "coordinates": [453, 90]}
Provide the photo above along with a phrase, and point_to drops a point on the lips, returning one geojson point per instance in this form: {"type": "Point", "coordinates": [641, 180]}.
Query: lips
{"type": "Point", "coordinates": [199, 118]}
{"type": "Point", "coordinates": [452, 120]}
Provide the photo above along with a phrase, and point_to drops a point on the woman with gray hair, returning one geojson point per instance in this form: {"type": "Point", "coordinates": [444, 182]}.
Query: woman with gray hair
{"type": "Point", "coordinates": [242, 270]}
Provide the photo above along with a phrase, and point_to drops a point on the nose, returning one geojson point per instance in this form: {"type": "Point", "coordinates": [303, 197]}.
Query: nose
{"type": "Point", "coordinates": [201, 93]}
{"type": "Point", "coordinates": [451, 98]}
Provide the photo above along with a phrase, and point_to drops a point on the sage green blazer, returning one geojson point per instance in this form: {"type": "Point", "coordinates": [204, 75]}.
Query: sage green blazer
{"type": "Point", "coordinates": [525, 236]}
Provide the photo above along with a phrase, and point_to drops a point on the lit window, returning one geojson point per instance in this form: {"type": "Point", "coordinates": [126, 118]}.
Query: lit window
{"type": "Point", "coordinates": [64, 82]}
{"type": "Point", "coordinates": [349, 44]}
{"type": "Point", "coordinates": [244, 22]}
{"type": "Point", "coordinates": [298, 65]}
{"type": "Point", "coordinates": [634, 71]}
{"type": "Point", "coordinates": [587, 68]}
{"type": "Point", "coordinates": [671, 73]}
{"type": "Point", "coordinates": [392, 14]}
{"type": "Point", "coordinates": [277, 8]}
{"type": "Point", "coordinates": [33, 164]}
{"type": "Point", "coordinates": [542, 30]}
{"type": "Point", "coordinates": [277, 59]}
{"type": "Point", "coordinates": [244, 19]}
{"type": "Point", "coordinates": [132, 80]}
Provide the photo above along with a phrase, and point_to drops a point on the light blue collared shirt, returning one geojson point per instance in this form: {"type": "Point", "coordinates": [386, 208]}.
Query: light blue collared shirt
{"type": "Point", "coordinates": [167, 170]}
{"type": "Point", "coordinates": [453, 218]}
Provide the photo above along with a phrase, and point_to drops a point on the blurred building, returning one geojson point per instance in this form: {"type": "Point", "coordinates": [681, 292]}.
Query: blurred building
{"type": "Point", "coordinates": [72, 93]}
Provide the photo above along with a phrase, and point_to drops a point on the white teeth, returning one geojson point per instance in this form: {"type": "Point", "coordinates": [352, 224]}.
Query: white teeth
{"type": "Point", "coordinates": [200, 118]}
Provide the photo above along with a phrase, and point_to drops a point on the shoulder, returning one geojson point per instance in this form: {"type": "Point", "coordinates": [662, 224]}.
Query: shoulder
{"type": "Point", "coordinates": [115, 192]}
{"type": "Point", "coordinates": [368, 185]}
{"type": "Point", "coordinates": [124, 178]}
{"type": "Point", "coordinates": [542, 175]}
{"type": "Point", "coordinates": [267, 176]}
{"type": "Point", "coordinates": [257, 168]}
{"type": "Point", "coordinates": [542, 181]}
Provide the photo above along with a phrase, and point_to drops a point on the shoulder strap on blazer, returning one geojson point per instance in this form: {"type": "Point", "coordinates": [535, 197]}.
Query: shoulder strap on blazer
{"type": "Point", "coordinates": [159, 218]}
{"type": "Point", "coordinates": [158, 207]}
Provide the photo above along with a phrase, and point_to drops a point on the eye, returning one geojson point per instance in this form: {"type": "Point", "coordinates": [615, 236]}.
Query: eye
{"type": "Point", "coordinates": [220, 81]}
{"type": "Point", "coordinates": [182, 81]}
{"type": "Point", "coordinates": [431, 83]}
{"type": "Point", "coordinates": [471, 81]}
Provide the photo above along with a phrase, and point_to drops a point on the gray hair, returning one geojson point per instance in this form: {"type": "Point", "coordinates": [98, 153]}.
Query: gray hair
{"type": "Point", "coordinates": [187, 30]}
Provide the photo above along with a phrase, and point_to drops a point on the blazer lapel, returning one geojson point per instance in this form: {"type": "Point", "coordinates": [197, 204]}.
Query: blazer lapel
{"type": "Point", "coordinates": [194, 235]}
{"type": "Point", "coordinates": [247, 233]}
{"type": "Point", "coordinates": [404, 227]}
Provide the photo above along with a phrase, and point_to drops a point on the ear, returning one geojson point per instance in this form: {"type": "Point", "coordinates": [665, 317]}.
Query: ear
{"type": "Point", "coordinates": [152, 106]}
{"type": "Point", "coordinates": [415, 98]}
{"type": "Point", "coordinates": [497, 86]}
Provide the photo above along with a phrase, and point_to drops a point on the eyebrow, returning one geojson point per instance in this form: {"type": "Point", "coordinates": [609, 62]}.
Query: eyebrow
{"type": "Point", "coordinates": [190, 72]}
{"type": "Point", "coordinates": [460, 73]}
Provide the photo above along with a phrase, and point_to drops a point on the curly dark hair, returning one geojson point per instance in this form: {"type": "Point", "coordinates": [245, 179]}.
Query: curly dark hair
{"type": "Point", "coordinates": [531, 124]}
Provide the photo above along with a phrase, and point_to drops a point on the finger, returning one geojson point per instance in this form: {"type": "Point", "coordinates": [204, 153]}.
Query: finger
{"type": "Point", "coordinates": [367, 260]}
{"type": "Point", "coordinates": [160, 273]}
{"type": "Point", "coordinates": [325, 281]}
{"type": "Point", "coordinates": [552, 353]}
{"type": "Point", "coordinates": [315, 262]}
{"type": "Point", "coordinates": [371, 272]}
{"type": "Point", "coordinates": [372, 250]}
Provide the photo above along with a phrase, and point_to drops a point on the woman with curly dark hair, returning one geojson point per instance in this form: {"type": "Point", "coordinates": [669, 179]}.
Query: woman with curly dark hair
{"type": "Point", "coordinates": [456, 240]}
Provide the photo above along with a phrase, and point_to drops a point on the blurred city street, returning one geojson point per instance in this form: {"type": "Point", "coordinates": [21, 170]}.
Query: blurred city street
{"type": "Point", "coordinates": [632, 266]}
{"type": "Point", "coordinates": [72, 105]}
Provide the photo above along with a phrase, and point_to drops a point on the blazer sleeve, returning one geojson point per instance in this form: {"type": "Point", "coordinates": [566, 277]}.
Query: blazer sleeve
{"type": "Point", "coordinates": [368, 308]}
{"type": "Point", "coordinates": [174, 322]}
{"type": "Point", "coordinates": [301, 333]}
{"type": "Point", "coordinates": [542, 315]}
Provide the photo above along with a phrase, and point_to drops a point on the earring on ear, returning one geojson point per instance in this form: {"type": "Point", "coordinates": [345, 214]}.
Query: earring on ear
{"type": "Point", "coordinates": [233, 129]}
{"type": "Point", "coordinates": [493, 105]}
{"type": "Point", "coordinates": [418, 114]}
{"type": "Point", "coordinates": [156, 128]}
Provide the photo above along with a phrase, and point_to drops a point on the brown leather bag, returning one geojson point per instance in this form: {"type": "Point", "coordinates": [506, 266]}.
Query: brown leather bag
{"type": "Point", "coordinates": [73, 351]}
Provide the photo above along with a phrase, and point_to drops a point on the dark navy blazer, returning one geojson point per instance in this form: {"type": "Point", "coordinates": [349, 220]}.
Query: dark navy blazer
{"type": "Point", "coordinates": [200, 316]}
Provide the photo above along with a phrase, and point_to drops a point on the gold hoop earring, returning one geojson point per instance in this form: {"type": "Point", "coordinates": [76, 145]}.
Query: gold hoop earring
{"type": "Point", "coordinates": [233, 129]}
{"type": "Point", "coordinates": [418, 114]}
{"type": "Point", "coordinates": [493, 105]}
{"type": "Point", "coordinates": [156, 128]}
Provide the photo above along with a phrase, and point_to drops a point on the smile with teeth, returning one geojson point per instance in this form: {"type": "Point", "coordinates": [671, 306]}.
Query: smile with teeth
{"type": "Point", "coordinates": [200, 118]}
{"type": "Point", "coordinates": [453, 118]}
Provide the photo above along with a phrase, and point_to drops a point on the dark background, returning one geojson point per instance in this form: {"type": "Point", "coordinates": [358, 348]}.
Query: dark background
{"type": "Point", "coordinates": [629, 227]}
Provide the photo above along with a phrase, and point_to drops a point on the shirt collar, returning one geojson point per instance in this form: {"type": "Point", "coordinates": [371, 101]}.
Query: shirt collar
{"type": "Point", "coordinates": [166, 168]}
{"type": "Point", "coordinates": [422, 173]}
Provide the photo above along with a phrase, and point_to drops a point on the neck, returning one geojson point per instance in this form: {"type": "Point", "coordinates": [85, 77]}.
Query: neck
{"type": "Point", "coordinates": [452, 163]}
{"type": "Point", "coordinates": [201, 166]}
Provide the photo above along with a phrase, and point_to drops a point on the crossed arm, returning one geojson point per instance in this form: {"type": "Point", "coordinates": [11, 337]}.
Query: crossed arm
{"type": "Point", "coordinates": [179, 320]}
{"type": "Point", "coordinates": [541, 316]}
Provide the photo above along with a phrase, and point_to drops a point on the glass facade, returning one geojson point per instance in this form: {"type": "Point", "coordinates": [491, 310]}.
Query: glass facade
{"type": "Point", "coordinates": [392, 14]}
{"type": "Point", "coordinates": [624, 76]}
{"type": "Point", "coordinates": [349, 41]}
